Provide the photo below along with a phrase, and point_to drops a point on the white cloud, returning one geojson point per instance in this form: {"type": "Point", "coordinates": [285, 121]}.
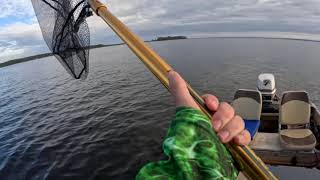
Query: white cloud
{"type": "Point", "coordinates": [151, 18]}
{"type": "Point", "coordinates": [9, 52]}
{"type": "Point", "coordinates": [21, 30]}
{"type": "Point", "coordinates": [16, 8]}
{"type": "Point", "coordinates": [19, 39]}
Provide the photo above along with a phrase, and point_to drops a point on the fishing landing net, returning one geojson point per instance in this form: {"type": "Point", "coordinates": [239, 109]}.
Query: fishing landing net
{"type": "Point", "coordinates": [66, 32]}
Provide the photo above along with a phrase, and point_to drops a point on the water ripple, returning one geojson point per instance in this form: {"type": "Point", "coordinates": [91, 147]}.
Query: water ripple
{"type": "Point", "coordinates": [109, 125]}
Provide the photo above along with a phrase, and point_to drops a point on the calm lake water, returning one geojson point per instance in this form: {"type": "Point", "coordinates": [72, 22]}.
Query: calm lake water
{"type": "Point", "coordinates": [112, 123]}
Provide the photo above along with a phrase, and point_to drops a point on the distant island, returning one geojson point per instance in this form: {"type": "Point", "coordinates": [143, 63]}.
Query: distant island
{"type": "Point", "coordinates": [30, 58]}
{"type": "Point", "coordinates": [170, 38]}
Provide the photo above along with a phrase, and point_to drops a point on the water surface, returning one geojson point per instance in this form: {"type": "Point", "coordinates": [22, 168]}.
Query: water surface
{"type": "Point", "coordinates": [109, 125]}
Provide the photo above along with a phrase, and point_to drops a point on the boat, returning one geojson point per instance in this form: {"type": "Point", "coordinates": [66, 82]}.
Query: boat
{"type": "Point", "coordinates": [285, 130]}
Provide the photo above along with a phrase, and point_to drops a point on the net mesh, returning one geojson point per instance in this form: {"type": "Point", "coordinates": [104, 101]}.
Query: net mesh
{"type": "Point", "coordinates": [66, 32]}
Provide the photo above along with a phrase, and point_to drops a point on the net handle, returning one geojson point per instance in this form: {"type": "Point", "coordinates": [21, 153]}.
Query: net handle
{"type": "Point", "coordinates": [248, 162]}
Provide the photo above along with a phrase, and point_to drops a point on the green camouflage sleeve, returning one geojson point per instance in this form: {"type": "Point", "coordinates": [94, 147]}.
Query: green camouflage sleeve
{"type": "Point", "coordinates": [193, 149]}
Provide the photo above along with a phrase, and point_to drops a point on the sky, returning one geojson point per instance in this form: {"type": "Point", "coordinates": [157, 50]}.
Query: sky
{"type": "Point", "coordinates": [20, 35]}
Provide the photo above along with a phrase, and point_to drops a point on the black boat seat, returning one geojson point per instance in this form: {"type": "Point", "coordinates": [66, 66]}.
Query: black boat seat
{"type": "Point", "coordinates": [248, 104]}
{"type": "Point", "coordinates": [295, 111]}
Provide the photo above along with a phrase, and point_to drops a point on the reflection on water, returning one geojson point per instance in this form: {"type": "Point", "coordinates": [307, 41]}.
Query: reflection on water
{"type": "Point", "coordinates": [109, 125]}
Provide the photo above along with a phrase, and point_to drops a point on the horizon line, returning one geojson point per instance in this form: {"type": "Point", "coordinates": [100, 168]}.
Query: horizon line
{"type": "Point", "coordinates": [261, 35]}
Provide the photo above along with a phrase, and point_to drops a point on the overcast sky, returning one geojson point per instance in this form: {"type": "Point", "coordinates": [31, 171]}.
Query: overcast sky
{"type": "Point", "coordinates": [20, 35]}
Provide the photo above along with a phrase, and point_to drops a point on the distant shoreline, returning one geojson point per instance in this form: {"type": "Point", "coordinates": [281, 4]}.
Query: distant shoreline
{"type": "Point", "coordinates": [39, 56]}
{"type": "Point", "coordinates": [168, 38]}
{"type": "Point", "coordinates": [258, 37]}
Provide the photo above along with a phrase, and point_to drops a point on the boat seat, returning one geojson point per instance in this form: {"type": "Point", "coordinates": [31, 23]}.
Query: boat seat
{"type": "Point", "coordinates": [248, 104]}
{"type": "Point", "coordinates": [295, 113]}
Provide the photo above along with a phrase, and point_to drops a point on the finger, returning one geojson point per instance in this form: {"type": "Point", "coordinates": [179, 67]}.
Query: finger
{"type": "Point", "coordinates": [244, 138]}
{"type": "Point", "coordinates": [234, 127]}
{"type": "Point", "coordinates": [222, 116]}
{"type": "Point", "coordinates": [211, 102]}
{"type": "Point", "coordinates": [179, 91]}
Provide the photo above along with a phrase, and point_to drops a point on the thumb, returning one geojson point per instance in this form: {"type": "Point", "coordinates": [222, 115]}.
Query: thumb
{"type": "Point", "coordinates": [179, 91]}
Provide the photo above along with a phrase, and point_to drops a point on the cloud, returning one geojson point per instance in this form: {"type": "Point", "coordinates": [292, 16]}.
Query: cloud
{"type": "Point", "coordinates": [166, 17]}
{"type": "Point", "coordinates": [9, 48]}
{"type": "Point", "coordinates": [16, 8]}
{"type": "Point", "coordinates": [191, 17]}
{"type": "Point", "coordinates": [217, 11]}
{"type": "Point", "coordinates": [18, 39]}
